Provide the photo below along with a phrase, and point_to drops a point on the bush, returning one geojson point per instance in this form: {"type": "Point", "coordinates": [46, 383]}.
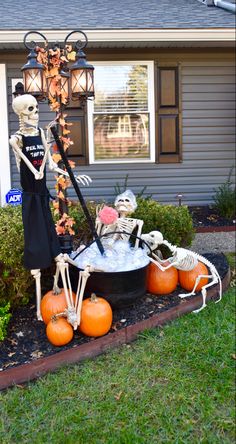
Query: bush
{"type": "Point", "coordinates": [15, 280]}
{"type": "Point", "coordinates": [175, 223]}
{"type": "Point", "coordinates": [81, 227]}
{"type": "Point", "coordinates": [5, 317]}
{"type": "Point", "coordinates": [225, 196]}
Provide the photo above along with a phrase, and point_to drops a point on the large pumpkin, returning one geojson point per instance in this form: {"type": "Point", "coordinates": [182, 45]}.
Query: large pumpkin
{"type": "Point", "coordinates": [187, 279]}
{"type": "Point", "coordinates": [53, 303]}
{"type": "Point", "coordinates": [59, 332]}
{"type": "Point", "coordinates": [96, 316]}
{"type": "Point", "coordinates": [161, 282]}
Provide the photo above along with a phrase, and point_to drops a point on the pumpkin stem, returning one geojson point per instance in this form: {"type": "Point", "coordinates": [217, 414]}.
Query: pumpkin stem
{"type": "Point", "coordinates": [93, 298]}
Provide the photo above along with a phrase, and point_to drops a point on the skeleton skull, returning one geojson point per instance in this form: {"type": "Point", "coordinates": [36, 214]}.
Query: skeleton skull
{"type": "Point", "coordinates": [26, 107]}
{"type": "Point", "coordinates": [153, 239]}
{"type": "Point", "coordinates": [125, 203]}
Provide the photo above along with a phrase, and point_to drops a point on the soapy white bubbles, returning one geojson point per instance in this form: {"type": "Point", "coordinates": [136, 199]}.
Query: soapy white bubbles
{"type": "Point", "coordinates": [118, 256]}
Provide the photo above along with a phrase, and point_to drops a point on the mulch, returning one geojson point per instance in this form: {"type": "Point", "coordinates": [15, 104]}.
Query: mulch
{"type": "Point", "coordinates": [209, 216]}
{"type": "Point", "coordinates": [27, 341]}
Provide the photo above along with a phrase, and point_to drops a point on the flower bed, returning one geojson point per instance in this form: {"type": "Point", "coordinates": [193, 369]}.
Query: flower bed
{"type": "Point", "coordinates": [27, 343]}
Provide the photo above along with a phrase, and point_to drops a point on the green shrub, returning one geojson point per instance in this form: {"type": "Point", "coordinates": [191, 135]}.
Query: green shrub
{"type": "Point", "coordinates": [175, 223]}
{"type": "Point", "coordinates": [15, 280]}
{"type": "Point", "coordinates": [224, 198]}
{"type": "Point", "coordinates": [81, 227]}
{"type": "Point", "coordinates": [5, 317]}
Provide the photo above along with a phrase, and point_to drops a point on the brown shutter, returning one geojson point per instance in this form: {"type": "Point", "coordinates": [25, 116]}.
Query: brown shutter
{"type": "Point", "coordinates": [168, 114]}
{"type": "Point", "coordinates": [79, 134]}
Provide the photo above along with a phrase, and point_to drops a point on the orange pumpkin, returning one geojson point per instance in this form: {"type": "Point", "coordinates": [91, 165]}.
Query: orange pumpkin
{"type": "Point", "coordinates": [53, 303]}
{"type": "Point", "coordinates": [161, 282]}
{"type": "Point", "coordinates": [96, 316]}
{"type": "Point", "coordinates": [187, 279]}
{"type": "Point", "coordinates": [59, 331]}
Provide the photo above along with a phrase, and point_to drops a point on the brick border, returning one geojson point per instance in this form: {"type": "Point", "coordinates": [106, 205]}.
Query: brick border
{"type": "Point", "coordinates": [35, 369]}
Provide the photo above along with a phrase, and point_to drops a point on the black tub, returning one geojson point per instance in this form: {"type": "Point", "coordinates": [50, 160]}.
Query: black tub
{"type": "Point", "coordinates": [120, 288]}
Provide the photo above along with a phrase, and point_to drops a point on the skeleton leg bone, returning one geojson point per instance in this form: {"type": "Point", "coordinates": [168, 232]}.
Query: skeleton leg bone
{"type": "Point", "coordinates": [37, 275]}
{"type": "Point", "coordinates": [83, 277]}
{"type": "Point", "coordinates": [204, 292]}
{"type": "Point", "coordinates": [62, 269]}
{"type": "Point", "coordinates": [185, 295]}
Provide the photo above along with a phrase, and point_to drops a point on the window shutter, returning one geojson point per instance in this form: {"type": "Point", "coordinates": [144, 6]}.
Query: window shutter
{"type": "Point", "coordinates": [78, 134]}
{"type": "Point", "coordinates": [168, 114]}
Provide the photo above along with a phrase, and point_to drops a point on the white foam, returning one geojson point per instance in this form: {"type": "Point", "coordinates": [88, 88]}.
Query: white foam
{"type": "Point", "coordinates": [118, 256]}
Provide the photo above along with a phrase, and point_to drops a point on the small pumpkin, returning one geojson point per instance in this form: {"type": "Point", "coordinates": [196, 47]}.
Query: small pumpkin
{"type": "Point", "coordinates": [161, 282]}
{"type": "Point", "coordinates": [53, 303]}
{"type": "Point", "coordinates": [187, 279]}
{"type": "Point", "coordinates": [59, 332]}
{"type": "Point", "coordinates": [96, 316]}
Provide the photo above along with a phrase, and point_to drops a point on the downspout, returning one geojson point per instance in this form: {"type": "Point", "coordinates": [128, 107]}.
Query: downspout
{"type": "Point", "coordinates": [225, 5]}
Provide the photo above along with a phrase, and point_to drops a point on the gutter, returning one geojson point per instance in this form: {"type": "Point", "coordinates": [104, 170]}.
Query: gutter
{"type": "Point", "coordinates": [225, 5]}
{"type": "Point", "coordinates": [131, 35]}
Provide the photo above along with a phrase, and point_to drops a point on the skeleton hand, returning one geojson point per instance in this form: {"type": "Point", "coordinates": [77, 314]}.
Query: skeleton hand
{"type": "Point", "coordinates": [39, 175]}
{"type": "Point", "coordinates": [52, 165]}
{"type": "Point", "coordinates": [84, 179]}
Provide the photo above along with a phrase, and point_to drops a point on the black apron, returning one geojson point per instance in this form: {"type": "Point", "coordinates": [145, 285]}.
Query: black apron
{"type": "Point", "coordinates": [41, 241]}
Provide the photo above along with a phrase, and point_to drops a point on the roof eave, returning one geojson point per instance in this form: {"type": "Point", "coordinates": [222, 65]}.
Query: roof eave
{"type": "Point", "coordinates": [133, 37]}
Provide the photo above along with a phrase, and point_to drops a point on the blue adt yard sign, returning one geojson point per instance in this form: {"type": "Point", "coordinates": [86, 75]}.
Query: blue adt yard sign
{"type": "Point", "coordinates": [14, 197]}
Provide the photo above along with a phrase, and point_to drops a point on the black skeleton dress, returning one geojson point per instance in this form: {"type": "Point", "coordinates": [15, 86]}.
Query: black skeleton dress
{"type": "Point", "coordinates": [40, 237]}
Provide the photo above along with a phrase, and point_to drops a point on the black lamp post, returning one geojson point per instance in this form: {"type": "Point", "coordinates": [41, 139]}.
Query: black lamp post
{"type": "Point", "coordinates": [76, 82]}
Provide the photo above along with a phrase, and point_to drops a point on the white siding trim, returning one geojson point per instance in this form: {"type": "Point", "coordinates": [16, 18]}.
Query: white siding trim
{"type": "Point", "coordinates": [5, 173]}
{"type": "Point", "coordinates": [151, 110]}
{"type": "Point", "coordinates": [225, 35]}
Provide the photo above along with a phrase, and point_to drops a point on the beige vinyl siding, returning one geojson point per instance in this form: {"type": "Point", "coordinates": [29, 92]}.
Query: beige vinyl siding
{"type": "Point", "coordinates": [208, 107]}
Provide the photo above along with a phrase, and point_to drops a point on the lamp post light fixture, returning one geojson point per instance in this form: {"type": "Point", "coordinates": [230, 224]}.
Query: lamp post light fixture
{"type": "Point", "coordinates": [56, 80]}
{"type": "Point", "coordinates": [33, 72]}
{"type": "Point", "coordinates": [179, 197]}
{"type": "Point", "coordinates": [76, 81]}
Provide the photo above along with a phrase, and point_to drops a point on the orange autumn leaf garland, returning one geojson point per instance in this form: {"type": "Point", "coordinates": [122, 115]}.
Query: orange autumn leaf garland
{"type": "Point", "coordinates": [53, 60]}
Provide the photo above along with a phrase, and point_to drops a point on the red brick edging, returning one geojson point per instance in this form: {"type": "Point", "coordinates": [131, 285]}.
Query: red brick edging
{"type": "Point", "coordinates": [27, 372]}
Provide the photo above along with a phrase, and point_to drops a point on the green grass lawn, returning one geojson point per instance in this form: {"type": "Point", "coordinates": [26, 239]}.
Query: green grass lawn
{"type": "Point", "coordinates": [173, 385]}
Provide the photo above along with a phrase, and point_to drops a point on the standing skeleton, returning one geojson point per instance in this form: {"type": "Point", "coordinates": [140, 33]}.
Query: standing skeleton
{"type": "Point", "coordinates": [185, 260]}
{"type": "Point", "coordinates": [32, 152]}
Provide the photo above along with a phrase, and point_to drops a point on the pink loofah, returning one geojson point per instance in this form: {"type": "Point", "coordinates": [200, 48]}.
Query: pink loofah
{"type": "Point", "coordinates": [108, 215]}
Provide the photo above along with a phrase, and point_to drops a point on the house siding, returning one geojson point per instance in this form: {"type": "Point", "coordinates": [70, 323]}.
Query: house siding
{"type": "Point", "coordinates": [208, 141]}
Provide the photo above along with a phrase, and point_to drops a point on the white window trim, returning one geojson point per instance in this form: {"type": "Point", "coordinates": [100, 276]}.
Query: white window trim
{"type": "Point", "coordinates": [5, 171]}
{"type": "Point", "coordinates": [151, 107]}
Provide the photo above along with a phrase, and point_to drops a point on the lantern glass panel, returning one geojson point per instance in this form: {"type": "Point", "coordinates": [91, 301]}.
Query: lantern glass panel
{"type": "Point", "coordinates": [90, 82]}
{"type": "Point", "coordinates": [78, 82]}
{"type": "Point", "coordinates": [65, 88]}
{"type": "Point", "coordinates": [33, 81]}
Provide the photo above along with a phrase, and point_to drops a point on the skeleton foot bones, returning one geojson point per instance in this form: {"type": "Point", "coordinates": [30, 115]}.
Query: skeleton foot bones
{"type": "Point", "coordinates": [185, 260]}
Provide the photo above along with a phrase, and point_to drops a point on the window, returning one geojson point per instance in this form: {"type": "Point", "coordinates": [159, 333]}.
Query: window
{"type": "Point", "coordinates": [121, 118]}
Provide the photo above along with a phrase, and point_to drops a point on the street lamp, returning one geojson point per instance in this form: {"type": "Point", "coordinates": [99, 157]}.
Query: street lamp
{"type": "Point", "coordinates": [34, 72]}
{"type": "Point", "coordinates": [73, 82]}
{"type": "Point", "coordinates": [56, 80]}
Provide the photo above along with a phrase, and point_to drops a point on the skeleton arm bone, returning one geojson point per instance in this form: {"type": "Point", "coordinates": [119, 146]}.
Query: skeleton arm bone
{"type": "Point", "coordinates": [83, 178]}
{"type": "Point", "coordinates": [139, 231]}
{"type": "Point", "coordinates": [14, 142]}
